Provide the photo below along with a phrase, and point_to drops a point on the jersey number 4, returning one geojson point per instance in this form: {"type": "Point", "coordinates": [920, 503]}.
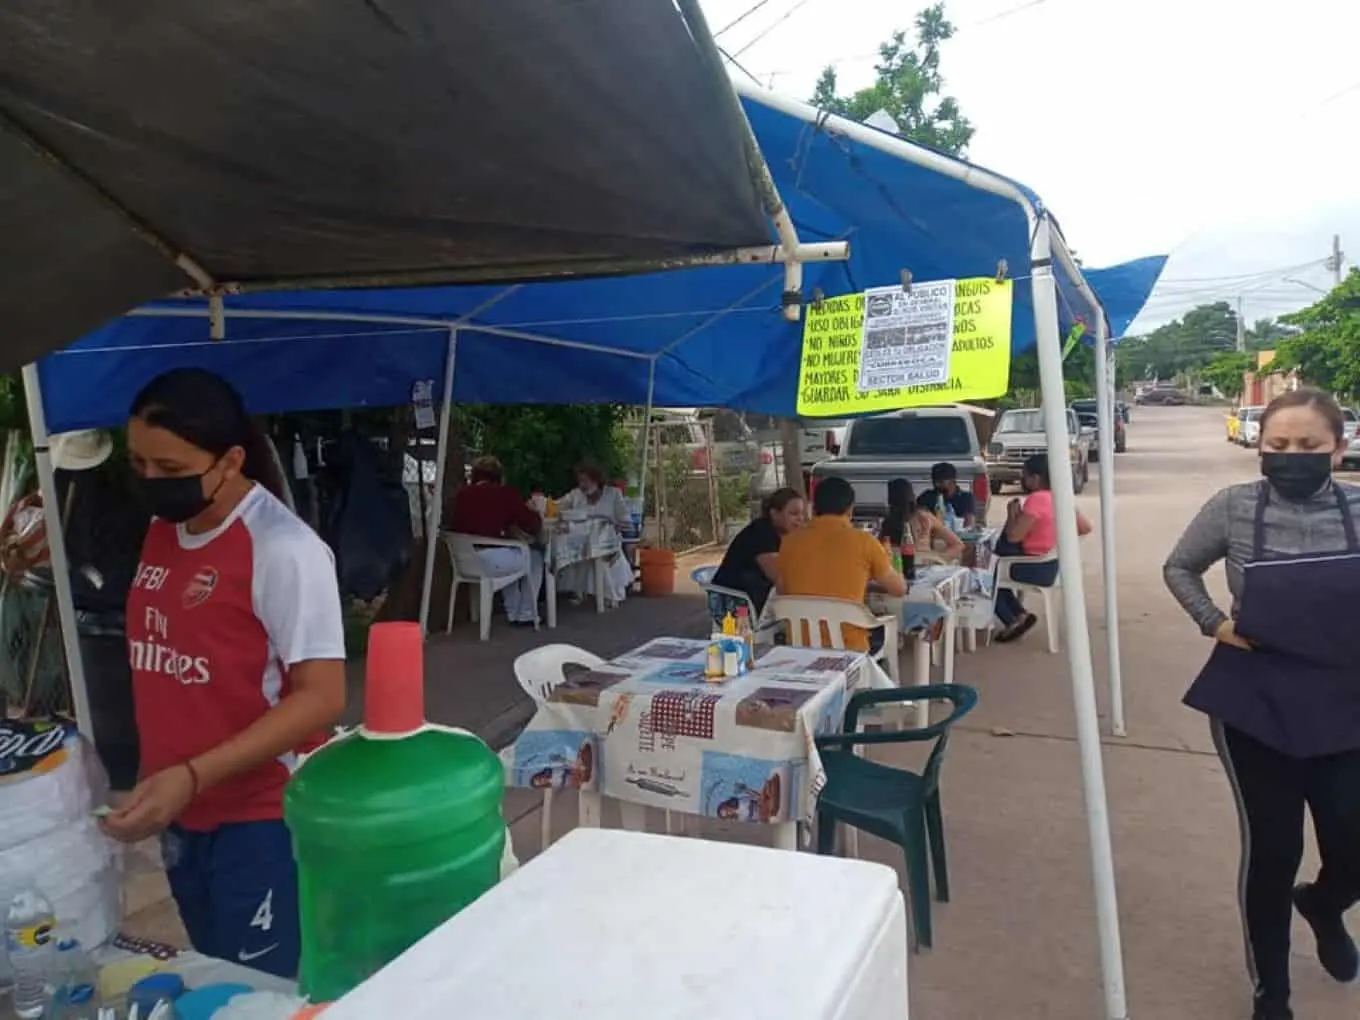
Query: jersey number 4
{"type": "Point", "coordinates": [264, 913]}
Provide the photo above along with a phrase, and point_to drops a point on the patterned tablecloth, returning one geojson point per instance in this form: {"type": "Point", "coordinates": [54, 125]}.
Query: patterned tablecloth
{"type": "Point", "coordinates": [648, 729]}
{"type": "Point", "coordinates": [572, 542]}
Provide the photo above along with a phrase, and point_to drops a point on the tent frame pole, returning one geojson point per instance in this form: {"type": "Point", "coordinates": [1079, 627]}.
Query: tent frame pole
{"type": "Point", "coordinates": [756, 166]}
{"type": "Point", "coordinates": [1105, 440]}
{"type": "Point", "coordinates": [1049, 347]}
{"type": "Point", "coordinates": [1078, 639]}
{"type": "Point", "coordinates": [435, 511]}
{"type": "Point", "coordinates": [646, 439]}
{"type": "Point", "coordinates": [56, 546]}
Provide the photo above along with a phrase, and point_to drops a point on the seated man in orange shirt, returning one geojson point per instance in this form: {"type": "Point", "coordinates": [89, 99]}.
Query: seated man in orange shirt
{"type": "Point", "coordinates": [831, 558]}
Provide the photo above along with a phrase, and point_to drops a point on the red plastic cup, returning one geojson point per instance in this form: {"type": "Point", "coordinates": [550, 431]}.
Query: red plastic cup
{"type": "Point", "coordinates": [394, 678]}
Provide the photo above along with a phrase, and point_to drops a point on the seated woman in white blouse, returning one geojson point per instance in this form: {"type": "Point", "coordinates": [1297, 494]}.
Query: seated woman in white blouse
{"type": "Point", "coordinates": [597, 500]}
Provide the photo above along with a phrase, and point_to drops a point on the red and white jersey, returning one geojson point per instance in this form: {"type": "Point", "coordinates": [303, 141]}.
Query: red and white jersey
{"type": "Point", "coordinates": [214, 622]}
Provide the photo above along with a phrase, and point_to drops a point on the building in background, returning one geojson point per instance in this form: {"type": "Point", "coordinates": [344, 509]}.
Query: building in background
{"type": "Point", "coordinates": [1261, 386]}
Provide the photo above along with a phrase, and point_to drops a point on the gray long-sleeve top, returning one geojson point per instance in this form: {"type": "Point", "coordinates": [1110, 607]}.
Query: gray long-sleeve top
{"type": "Point", "coordinates": [1224, 529]}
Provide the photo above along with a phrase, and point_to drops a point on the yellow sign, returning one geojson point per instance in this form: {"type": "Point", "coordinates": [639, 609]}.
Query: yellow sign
{"type": "Point", "coordinates": [979, 362]}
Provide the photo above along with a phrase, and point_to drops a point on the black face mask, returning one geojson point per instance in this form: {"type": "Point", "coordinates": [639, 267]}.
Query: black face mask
{"type": "Point", "coordinates": [1296, 476]}
{"type": "Point", "coordinates": [176, 499]}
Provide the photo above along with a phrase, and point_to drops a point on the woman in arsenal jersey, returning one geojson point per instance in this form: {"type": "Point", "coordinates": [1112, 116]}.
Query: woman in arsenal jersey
{"type": "Point", "coordinates": [238, 652]}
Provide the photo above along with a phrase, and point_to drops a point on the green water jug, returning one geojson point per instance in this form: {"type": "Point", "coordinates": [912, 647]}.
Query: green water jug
{"type": "Point", "coordinates": [396, 826]}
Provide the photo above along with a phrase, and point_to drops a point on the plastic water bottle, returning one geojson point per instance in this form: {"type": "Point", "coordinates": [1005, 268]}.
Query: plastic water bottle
{"type": "Point", "coordinates": [30, 938]}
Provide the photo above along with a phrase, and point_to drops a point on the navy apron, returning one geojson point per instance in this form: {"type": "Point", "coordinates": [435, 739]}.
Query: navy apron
{"type": "Point", "coordinates": [1298, 690]}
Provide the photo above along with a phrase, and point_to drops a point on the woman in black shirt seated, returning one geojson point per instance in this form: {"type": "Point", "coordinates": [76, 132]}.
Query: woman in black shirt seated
{"type": "Point", "coordinates": [751, 563]}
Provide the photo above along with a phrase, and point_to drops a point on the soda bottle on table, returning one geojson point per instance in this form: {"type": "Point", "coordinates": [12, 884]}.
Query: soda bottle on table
{"type": "Point", "coordinates": [906, 555]}
{"type": "Point", "coordinates": [31, 941]}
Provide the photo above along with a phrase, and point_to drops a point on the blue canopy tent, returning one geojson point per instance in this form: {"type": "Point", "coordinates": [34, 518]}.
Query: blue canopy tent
{"type": "Point", "coordinates": [707, 336]}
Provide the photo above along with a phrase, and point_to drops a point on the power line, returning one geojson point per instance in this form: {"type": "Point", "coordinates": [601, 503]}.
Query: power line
{"type": "Point", "coordinates": [740, 18]}
{"type": "Point", "coordinates": [773, 25]}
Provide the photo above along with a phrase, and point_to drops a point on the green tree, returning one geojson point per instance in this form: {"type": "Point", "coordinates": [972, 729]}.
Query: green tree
{"type": "Point", "coordinates": [1326, 353]}
{"type": "Point", "coordinates": [908, 86]}
{"type": "Point", "coordinates": [1264, 334]}
{"type": "Point", "coordinates": [539, 445]}
{"type": "Point", "coordinates": [1183, 345]}
{"type": "Point", "coordinates": [1225, 370]}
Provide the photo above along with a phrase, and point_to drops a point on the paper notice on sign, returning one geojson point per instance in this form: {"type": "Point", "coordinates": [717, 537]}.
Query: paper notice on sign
{"type": "Point", "coordinates": [977, 363]}
{"type": "Point", "coordinates": [422, 399]}
{"type": "Point", "coordinates": [907, 336]}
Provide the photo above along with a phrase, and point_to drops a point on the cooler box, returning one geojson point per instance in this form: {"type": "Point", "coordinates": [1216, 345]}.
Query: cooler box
{"type": "Point", "coordinates": [613, 925]}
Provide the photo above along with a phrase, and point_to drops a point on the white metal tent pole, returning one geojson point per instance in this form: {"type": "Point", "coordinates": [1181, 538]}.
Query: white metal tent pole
{"type": "Point", "coordinates": [435, 512]}
{"type": "Point", "coordinates": [1049, 346]}
{"type": "Point", "coordinates": [56, 546]}
{"type": "Point", "coordinates": [646, 439]}
{"type": "Point", "coordinates": [1105, 436]}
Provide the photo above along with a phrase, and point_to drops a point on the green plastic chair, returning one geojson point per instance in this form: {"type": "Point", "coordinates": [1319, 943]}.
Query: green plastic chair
{"type": "Point", "coordinates": [893, 804]}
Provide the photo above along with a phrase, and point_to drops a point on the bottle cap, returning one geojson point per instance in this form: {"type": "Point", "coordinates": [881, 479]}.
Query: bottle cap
{"type": "Point", "coordinates": [394, 678]}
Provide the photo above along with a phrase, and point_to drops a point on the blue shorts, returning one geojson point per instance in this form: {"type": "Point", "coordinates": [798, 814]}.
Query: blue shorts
{"type": "Point", "coordinates": [237, 892]}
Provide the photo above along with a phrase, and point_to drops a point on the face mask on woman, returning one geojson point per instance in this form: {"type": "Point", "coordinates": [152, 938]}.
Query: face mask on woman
{"type": "Point", "coordinates": [1296, 476]}
{"type": "Point", "coordinates": [177, 499]}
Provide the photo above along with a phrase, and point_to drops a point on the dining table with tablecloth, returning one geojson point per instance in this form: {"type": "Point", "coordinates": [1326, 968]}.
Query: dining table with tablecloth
{"type": "Point", "coordinates": [648, 729]}
{"type": "Point", "coordinates": [571, 540]}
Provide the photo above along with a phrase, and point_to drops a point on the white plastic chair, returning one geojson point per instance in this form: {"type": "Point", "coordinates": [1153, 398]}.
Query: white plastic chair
{"type": "Point", "coordinates": [539, 671]}
{"type": "Point", "coordinates": [764, 631]}
{"type": "Point", "coordinates": [467, 569]}
{"type": "Point", "coordinates": [1004, 579]}
{"type": "Point", "coordinates": [804, 617]}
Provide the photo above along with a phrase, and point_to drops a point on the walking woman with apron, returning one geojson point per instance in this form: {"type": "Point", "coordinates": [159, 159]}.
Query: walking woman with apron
{"type": "Point", "coordinates": [1282, 686]}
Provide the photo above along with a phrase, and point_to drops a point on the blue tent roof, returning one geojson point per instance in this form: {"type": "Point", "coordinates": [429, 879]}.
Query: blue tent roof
{"type": "Point", "coordinates": [716, 333]}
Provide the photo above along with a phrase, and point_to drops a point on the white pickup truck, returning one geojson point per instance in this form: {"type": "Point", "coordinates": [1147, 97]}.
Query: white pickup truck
{"type": "Point", "coordinates": [907, 444]}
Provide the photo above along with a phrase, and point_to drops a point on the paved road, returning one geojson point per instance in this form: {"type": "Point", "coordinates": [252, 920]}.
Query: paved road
{"type": "Point", "coordinates": [1019, 939]}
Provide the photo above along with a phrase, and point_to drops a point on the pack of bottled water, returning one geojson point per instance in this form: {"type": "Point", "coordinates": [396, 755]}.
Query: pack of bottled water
{"type": "Point", "coordinates": [59, 873]}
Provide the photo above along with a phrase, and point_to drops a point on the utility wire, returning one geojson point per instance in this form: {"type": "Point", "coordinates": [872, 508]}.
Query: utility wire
{"type": "Point", "coordinates": [772, 26]}
{"type": "Point", "coordinates": [740, 17]}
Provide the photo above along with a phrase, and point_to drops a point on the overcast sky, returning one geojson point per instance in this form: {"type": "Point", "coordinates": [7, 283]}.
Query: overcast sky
{"type": "Point", "coordinates": [1222, 132]}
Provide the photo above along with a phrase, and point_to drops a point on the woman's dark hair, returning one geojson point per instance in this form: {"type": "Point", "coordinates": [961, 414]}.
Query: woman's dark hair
{"type": "Point", "coordinates": [778, 500]}
{"type": "Point", "coordinates": [205, 411]}
{"type": "Point", "coordinates": [1036, 465]}
{"type": "Point", "coordinates": [1323, 403]}
{"type": "Point", "coordinates": [901, 505]}
{"type": "Point", "coordinates": [592, 471]}
{"type": "Point", "coordinates": [487, 469]}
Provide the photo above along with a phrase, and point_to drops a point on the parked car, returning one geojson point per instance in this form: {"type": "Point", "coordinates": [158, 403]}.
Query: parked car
{"type": "Point", "coordinates": [1158, 395]}
{"type": "Point", "coordinates": [906, 444]}
{"type": "Point", "coordinates": [736, 449]}
{"type": "Point", "coordinates": [1020, 434]}
{"type": "Point", "coordinates": [1089, 417]}
{"type": "Point", "coordinates": [1352, 420]}
{"type": "Point", "coordinates": [1350, 460]}
{"type": "Point", "coordinates": [819, 439]}
{"type": "Point", "coordinates": [1249, 431]}
{"type": "Point", "coordinates": [1234, 422]}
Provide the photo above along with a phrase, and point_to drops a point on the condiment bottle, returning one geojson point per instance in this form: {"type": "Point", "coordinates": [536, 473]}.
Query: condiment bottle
{"type": "Point", "coordinates": [731, 647]}
{"type": "Point", "coordinates": [748, 635]}
{"type": "Point", "coordinates": [713, 659]}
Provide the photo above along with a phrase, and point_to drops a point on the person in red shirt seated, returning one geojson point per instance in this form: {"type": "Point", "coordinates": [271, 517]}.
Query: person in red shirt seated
{"type": "Point", "coordinates": [490, 508]}
{"type": "Point", "coordinates": [237, 647]}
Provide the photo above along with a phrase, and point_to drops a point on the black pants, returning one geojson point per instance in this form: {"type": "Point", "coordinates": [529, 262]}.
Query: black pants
{"type": "Point", "coordinates": [1271, 790]}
